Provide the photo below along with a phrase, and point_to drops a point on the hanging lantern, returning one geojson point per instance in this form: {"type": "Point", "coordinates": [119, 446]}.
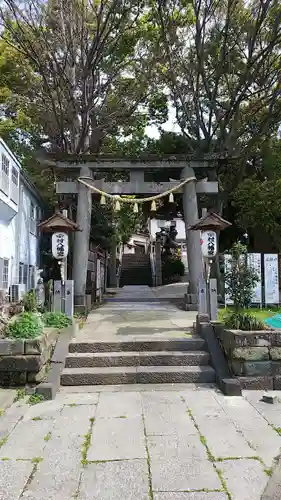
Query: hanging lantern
{"type": "Point", "coordinates": [171, 198]}
{"type": "Point", "coordinates": [153, 206]}
{"type": "Point", "coordinates": [102, 200]}
{"type": "Point", "coordinates": [117, 207]}
{"type": "Point", "coordinates": [136, 208]}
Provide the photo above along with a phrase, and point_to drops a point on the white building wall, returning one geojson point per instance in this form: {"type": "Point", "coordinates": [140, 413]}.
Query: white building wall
{"type": "Point", "coordinates": [18, 225]}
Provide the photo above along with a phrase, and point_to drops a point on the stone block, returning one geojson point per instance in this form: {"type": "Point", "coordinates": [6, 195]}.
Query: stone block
{"type": "Point", "coordinates": [276, 368]}
{"type": "Point", "coordinates": [11, 378]}
{"type": "Point", "coordinates": [39, 344]}
{"type": "Point", "coordinates": [275, 353]}
{"type": "Point", "coordinates": [31, 363]}
{"type": "Point", "coordinates": [237, 366]}
{"type": "Point", "coordinates": [237, 338]}
{"type": "Point", "coordinates": [11, 347]}
{"type": "Point", "coordinates": [250, 353]}
{"type": "Point", "coordinates": [257, 368]}
{"type": "Point", "coordinates": [256, 383]}
{"type": "Point", "coordinates": [37, 377]}
{"type": "Point", "coordinates": [276, 338]}
{"type": "Point", "coordinates": [277, 383]}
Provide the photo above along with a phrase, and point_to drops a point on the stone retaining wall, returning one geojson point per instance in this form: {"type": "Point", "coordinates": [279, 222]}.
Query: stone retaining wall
{"type": "Point", "coordinates": [253, 357]}
{"type": "Point", "coordinates": [23, 361]}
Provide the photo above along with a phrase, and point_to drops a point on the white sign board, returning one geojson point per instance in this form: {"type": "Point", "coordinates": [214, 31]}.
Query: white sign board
{"type": "Point", "coordinates": [60, 245]}
{"type": "Point", "coordinates": [271, 278]}
{"type": "Point", "coordinates": [227, 267]}
{"type": "Point", "coordinates": [254, 262]}
{"type": "Point", "coordinates": [209, 243]}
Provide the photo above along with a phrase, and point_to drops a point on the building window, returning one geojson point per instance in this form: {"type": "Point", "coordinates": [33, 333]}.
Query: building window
{"type": "Point", "coordinates": [25, 274]}
{"type": "Point", "coordinates": [21, 267]}
{"type": "Point", "coordinates": [5, 175]}
{"type": "Point", "coordinates": [5, 164]}
{"type": "Point", "coordinates": [32, 218]}
{"type": "Point", "coordinates": [31, 277]}
{"type": "Point", "coordinates": [5, 279]}
{"type": "Point", "coordinates": [15, 176]}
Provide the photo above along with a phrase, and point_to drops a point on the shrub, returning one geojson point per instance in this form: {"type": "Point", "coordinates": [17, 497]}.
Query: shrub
{"type": "Point", "coordinates": [57, 320]}
{"type": "Point", "coordinates": [29, 301]}
{"type": "Point", "coordinates": [243, 321]}
{"type": "Point", "coordinates": [240, 279]}
{"type": "Point", "coordinates": [26, 326]}
{"type": "Point", "coordinates": [172, 266]}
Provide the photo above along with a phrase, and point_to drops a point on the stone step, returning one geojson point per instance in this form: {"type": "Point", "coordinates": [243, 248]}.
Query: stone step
{"type": "Point", "coordinates": [139, 375]}
{"type": "Point", "coordinates": [162, 358]}
{"type": "Point", "coordinates": [192, 343]}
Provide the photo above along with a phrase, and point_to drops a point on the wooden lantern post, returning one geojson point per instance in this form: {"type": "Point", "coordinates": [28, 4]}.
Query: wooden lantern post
{"type": "Point", "coordinates": [209, 225]}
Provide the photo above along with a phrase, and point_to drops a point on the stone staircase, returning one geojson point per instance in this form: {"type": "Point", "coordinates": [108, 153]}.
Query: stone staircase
{"type": "Point", "coordinates": [131, 361]}
{"type": "Point", "coordinates": [135, 270]}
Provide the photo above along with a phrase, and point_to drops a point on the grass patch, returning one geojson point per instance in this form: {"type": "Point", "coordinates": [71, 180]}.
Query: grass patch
{"type": "Point", "coordinates": [35, 399]}
{"type": "Point", "coordinates": [2, 412]}
{"type": "Point", "coordinates": [277, 429]}
{"type": "Point", "coordinates": [20, 395]}
{"type": "Point", "coordinates": [122, 416]}
{"type": "Point", "coordinates": [48, 436]}
{"type": "Point", "coordinates": [260, 314]}
{"type": "Point", "coordinates": [72, 405]}
{"type": "Point", "coordinates": [36, 460]}
{"type": "Point", "coordinates": [224, 459]}
{"type": "Point", "coordinates": [3, 441]}
{"type": "Point", "coordinates": [37, 418]}
{"type": "Point", "coordinates": [269, 471]}
{"type": "Point", "coordinates": [223, 483]}
{"type": "Point", "coordinates": [87, 443]}
{"type": "Point", "coordinates": [5, 459]}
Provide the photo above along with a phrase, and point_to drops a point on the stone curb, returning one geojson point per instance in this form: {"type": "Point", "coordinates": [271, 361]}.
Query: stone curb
{"type": "Point", "coordinates": [273, 488]}
{"type": "Point", "coordinates": [228, 385]}
{"type": "Point", "coordinates": [50, 386]}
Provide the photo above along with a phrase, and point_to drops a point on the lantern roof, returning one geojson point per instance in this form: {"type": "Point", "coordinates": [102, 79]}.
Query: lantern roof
{"type": "Point", "coordinates": [212, 221]}
{"type": "Point", "coordinates": [58, 222]}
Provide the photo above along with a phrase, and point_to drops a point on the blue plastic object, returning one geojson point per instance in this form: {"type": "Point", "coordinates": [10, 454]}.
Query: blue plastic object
{"type": "Point", "coordinates": [274, 322]}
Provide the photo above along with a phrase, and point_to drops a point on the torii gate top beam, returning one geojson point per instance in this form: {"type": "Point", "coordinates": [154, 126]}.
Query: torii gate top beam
{"type": "Point", "coordinates": [75, 162]}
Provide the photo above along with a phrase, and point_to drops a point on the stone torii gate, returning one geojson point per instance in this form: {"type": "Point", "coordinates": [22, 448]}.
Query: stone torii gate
{"type": "Point", "coordinates": [84, 166]}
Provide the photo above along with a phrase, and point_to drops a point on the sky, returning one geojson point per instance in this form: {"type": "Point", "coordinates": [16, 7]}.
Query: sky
{"type": "Point", "coordinates": [169, 126]}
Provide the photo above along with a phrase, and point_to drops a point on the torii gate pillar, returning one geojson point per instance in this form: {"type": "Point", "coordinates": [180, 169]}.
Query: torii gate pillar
{"type": "Point", "coordinates": [81, 241]}
{"type": "Point", "coordinates": [194, 253]}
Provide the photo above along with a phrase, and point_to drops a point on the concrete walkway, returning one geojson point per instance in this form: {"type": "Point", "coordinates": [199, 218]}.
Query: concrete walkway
{"type": "Point", "coordinates": [153, 443]}
{"type": "Point", "coordinates": [145, 318]}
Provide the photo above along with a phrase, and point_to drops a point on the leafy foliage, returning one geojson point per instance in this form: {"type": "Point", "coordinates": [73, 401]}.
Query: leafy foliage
{"type": "Point", "coordinates": [243, 321]}
{"type": "Point", "coordinates": [27, 326]}
{"type": "Point", "coordinates": [57, 320]}
{"type": "Point", "coordinates": [172, 267]}
{"type": "Point", "coordinates": [240, 279]}
{"type": "Point", "coordinates": [30, 302]}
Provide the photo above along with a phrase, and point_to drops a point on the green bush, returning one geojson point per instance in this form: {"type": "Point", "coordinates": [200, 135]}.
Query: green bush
{"type": "Point", "coordinates": [30, 302]}
{"type": "Point", "coordinates": [172, 266]}
{"type": "Point", "coordinates": [26, 326]}
{"type": "Point", "coordinates": [57, 320]}
{"type": "Point", "coordinates": [243, 321]}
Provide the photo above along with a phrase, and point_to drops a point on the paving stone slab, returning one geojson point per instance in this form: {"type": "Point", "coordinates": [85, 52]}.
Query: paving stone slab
{"type": "Point", "coordinates": [45, 410]}
{"type": "Point", "coordinates": [270, 412]}
{"type": "Point", "coordinates": [117, 439]}
{"type": "Point", "coordinates": [183, 475]}
{"type": "Point", "coordinates": [264, 440]}
{"type": "Point", "coordinates": [77, 398]}
{"type": "Point", "coordinates": [199, 495]}
{"type": "Point", "coordinates": [165, 397]}
{"type": "Point", "coordinates": [245, 478]}
{"type": "Point", "coordinates": [74, 421]}
{"type": "Point", "coordinates": [167, 419]}
{"type": "Point", "coordinates": [26, 441]}
{"type": "Point", "coordinates": [223, 438]}
{"type": "Point", "coordinates": [121, 480]}
{"type": "Point", "coordinates": [57, 476]}
{"type": "Point", "coordinates": [13, 478]}
{"type": "Point", "coordinates": [113, 405]}
{"type": "Point", "coordinates": [179, 447]}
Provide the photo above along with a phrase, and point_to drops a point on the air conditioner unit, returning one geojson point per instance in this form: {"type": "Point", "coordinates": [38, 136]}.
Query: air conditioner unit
{"type": "Point", "coordinates": [17, 292]}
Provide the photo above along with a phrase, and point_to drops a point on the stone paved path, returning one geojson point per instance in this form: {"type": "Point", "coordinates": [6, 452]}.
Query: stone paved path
{"type": "Point", "coordinates": [169, 443]}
